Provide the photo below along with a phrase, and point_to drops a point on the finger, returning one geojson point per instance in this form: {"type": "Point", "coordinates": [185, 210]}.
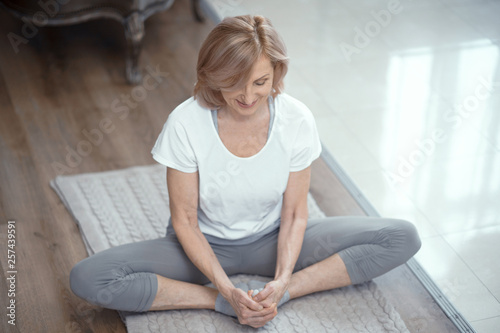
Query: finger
{"type": "Point", "coordinates": [268, 290]}
{"type": "Point", "coordinates": [250, 292]}
{"type": "Point", "coordinates": [244, 301]}
{"type": "Point", "coordinates": [251, 304]}
{"type": "Point", "coordinates": [251, 316]}
{"type": "Point", "coordinates": [266, 303]}
{"type": "Point", "coordinates": [261, 321]}
{"type": "Point", "coordinates": [262, 313]}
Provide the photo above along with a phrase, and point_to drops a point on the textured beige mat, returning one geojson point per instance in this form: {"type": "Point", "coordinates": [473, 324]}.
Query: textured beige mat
{"type": "Point", "coordinates": [118, 207]}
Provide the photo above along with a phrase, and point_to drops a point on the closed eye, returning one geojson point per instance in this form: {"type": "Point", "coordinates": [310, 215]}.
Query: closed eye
{"type": "Point", "coordinates": [261, 83]}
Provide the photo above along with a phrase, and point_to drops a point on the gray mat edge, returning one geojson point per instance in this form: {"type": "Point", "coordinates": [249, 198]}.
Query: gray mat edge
{"type": "Point", "coordinates": [444, 303]}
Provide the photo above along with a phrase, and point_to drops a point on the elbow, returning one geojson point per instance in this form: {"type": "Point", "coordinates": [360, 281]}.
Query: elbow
{"type": "Point", "coordinates": [298, 212]}
{"type": "Point", "coordinates": [183, 226]}
{"type": "Point", "coordinates": [295, 218]}
{"type": "Point", "coordinates": [184, 218]}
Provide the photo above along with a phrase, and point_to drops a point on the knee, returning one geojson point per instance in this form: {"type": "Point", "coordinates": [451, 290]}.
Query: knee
{"type": "Point", "coordinates": [82, 280]}
{"type": "Point", "coordinates": [411, 240]}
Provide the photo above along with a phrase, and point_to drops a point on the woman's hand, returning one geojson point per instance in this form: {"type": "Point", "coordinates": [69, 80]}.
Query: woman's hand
{"type": "Point", "coordinates": [250, 312]}
{"type": "Point", "coordinates": [271, 294]}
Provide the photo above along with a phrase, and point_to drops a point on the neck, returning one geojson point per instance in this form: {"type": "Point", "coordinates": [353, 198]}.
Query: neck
{"type": "Point", "coordinates": [230, 114]}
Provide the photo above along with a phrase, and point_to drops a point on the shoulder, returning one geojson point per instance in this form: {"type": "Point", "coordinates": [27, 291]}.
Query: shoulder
{"type": "Point", "coordinates": [187, 112]}
{"type": "Point", "coordinates": [284, 99]}
{"type": "Point", "coordinates": [291, 108]}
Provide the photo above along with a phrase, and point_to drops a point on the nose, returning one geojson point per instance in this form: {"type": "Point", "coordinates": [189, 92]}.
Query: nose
{"type": "Point", "coordinates": [247, 94]}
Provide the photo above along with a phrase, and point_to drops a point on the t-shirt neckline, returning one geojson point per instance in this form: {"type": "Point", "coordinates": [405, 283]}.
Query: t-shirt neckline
{"type": "Point", "coordinates": [272, 120]}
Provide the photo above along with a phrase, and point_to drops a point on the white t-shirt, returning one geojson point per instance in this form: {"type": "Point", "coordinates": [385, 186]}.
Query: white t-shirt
{"type": "Point", "coordinates": [238, 196]}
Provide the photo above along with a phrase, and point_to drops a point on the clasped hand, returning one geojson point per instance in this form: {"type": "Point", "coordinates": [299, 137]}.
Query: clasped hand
{"type": "Point", "coordinates": [258, 310]}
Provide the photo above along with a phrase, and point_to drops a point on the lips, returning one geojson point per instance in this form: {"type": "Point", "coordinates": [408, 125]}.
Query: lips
{"type": "Point", "coordinates": [245, 106]}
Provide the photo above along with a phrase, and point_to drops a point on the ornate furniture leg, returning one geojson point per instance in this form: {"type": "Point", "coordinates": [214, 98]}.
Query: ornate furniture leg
{"type": "Point", "coordinates": [131, 13]}
{"type": "Point", "coordinates": [134, 33]}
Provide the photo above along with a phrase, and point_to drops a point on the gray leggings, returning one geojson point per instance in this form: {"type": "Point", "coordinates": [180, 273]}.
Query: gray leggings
{"type": "Point", "coordinates": [124, 277]}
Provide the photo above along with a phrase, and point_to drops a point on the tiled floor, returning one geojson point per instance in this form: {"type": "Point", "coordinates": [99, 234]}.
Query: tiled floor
{"type": "Point", "coordinates": [404, 94]}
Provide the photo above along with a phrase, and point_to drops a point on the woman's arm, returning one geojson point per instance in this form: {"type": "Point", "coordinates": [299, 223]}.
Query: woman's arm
{"type": "Point", "coordinates": [294, 216]}
{"type": "Point", "coordinates": [293, 225]}
{"type": "Point", "coordinates": [183, 194]}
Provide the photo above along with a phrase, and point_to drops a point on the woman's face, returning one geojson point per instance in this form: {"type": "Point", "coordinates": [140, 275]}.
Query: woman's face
{"type": "Point", "coordinates": [252, 97]}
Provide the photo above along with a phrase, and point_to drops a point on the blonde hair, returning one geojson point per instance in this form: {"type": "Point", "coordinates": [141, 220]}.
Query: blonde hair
{"type": "Point", "coordinates": [229, 52]}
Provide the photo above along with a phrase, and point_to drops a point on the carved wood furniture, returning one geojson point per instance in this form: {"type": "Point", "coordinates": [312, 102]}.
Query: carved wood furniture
{"type": "Point", "coordinates": [131, 13]}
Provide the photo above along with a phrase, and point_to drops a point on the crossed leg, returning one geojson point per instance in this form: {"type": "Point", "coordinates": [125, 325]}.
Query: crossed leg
{"type": "Point", "coordinates": [329, 273]}
{"type": "Point", "coordinates": [336, 252]}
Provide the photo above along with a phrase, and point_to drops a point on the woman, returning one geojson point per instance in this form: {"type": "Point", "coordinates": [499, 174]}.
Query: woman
{"type": "Point", "coordinates": [238, 158]}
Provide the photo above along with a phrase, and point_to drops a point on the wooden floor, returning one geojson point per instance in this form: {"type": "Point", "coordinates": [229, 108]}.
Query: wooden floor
{"type": "Point", "coordinates": [65, 108]}
{"type": "Point", "coordinates": [63, 83]}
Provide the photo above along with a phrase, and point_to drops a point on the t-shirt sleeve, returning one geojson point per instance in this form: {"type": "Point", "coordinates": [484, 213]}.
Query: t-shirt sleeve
{"type": "Point", "coordinates": [173, 148]}
{"type": "Point", "coordinates": [307, 146]}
